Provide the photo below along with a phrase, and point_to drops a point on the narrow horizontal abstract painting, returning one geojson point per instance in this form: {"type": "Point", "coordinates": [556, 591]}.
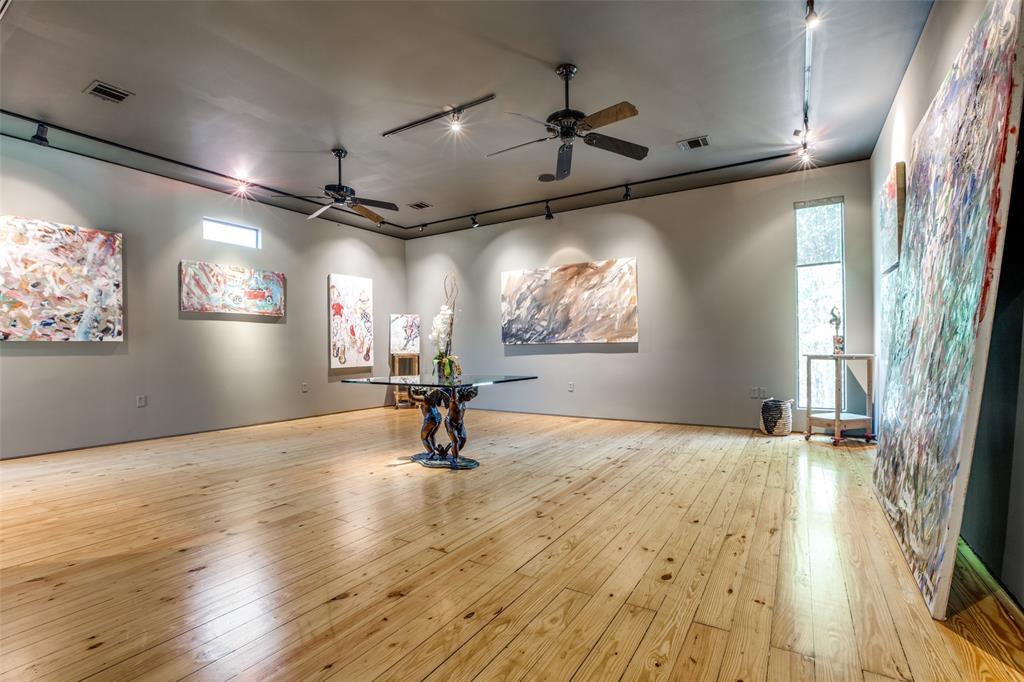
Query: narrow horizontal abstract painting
{"type": "Point", "coordinates": [405, 333]}
{"type": "Point", "coordinates": [350, 314]}
{"type": "Point", "coordinates": [941, 302]}
{"type": "Point", "coordinates": [593, 302]}
{"type": "Point", "coordinates": [215, 288]}
{"type": "Point", "coordinates": [59, 282]}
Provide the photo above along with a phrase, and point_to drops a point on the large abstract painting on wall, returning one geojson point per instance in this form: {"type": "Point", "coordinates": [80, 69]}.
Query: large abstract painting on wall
{"type": "Point", "coordinates": [350, 302]}
{"type": "Point", "coordinates": [59, 282]}
{"type": "Point", "coordinates": [891, 211]}
{"type": "Point", "coordinates": [942, 296]}
{"type": "Point", "coordinates": [593, 302]}
{"type": "Point", "coordinates": [231, 289]}
{"type": "Point", "coordinates": [405, 333]}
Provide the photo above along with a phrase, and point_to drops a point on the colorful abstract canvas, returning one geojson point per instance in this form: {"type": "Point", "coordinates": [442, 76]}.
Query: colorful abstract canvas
{"type": "Point", "coordinates": [580, 303]}
{"type": "Point", "coordinates": [942, 298]}
{"type": "Point", "coordinates": [59, 282]}
{"type": "Point", "coordinates": [405, 333]}
{"type": "Point", "coordinates": [350, 302]}
{"type": "Point", "coordinates": [892, 202]}
{"type": "Point", "coordinates": [214, 288]}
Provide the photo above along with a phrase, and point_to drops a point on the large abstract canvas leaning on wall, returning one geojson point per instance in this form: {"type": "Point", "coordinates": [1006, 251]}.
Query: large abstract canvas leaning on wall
{"type": "Point", "coordinates": [350, 315]}
{"type": "Point", "coordinates": [214, 288]}
{"type": "Point", "coordinates": [59, 282]}
{"type": "Point", "coordinates": [938, 329]}
{"type": "Point", "coordinates": [579, 303]}
{"type": "Point", "coordinates": [405, 333]}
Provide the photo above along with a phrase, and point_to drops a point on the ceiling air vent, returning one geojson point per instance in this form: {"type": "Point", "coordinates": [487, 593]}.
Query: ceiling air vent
{"type": "Point", "coordinates": [694, 142]}
{"type": "Point", "coordinates": [108, 92]}
{"type": "Point", "coordinates": [419, 205]}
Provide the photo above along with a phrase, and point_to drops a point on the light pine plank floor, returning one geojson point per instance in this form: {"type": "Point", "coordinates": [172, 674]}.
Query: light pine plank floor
{"type": "Point", "coordinates": [580, 549]}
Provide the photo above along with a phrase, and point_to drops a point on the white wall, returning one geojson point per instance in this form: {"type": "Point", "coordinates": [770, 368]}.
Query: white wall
{"type": "Point", "coordinates": [942, 38]}
{"type": "Point", "coordinates": [198, 373]}
{"type": "Point", "coordinates": [716, 271]}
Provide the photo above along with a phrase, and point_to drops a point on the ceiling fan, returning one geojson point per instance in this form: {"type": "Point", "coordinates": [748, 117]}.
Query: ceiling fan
{"type": "Point", "coordinates": [342, 196]}
{"type": "Point", "coordinates": [568, 124]}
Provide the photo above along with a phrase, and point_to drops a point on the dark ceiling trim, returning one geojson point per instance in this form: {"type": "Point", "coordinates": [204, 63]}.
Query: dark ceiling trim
{"type": "Point", "coordinates": [620, 185]}
{"type": "Point", "coordinates": [405, 228]}
{"type": "Point", "coordinates": [183, 164]}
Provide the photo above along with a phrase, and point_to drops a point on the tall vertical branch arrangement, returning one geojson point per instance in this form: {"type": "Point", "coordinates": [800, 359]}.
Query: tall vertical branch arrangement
{"type": "Point", "coordinates": [446, 365]}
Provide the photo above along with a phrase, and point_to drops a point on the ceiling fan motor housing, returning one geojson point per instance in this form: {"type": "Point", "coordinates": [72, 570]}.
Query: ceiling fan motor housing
{"type": "Point", "coordinates": [339, 192]}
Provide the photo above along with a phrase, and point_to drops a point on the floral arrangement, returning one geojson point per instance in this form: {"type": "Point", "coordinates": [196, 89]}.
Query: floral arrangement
{"type": "Point", "coordinates": [446, 365]}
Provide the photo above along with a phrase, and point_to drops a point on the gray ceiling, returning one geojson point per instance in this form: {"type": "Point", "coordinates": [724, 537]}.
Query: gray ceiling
{"type": "Point", "coordinates": [267, 88]}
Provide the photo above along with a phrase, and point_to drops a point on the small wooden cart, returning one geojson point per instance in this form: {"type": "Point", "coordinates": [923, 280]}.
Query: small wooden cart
{"type": "Point", "coordinates": [404, 364]}
{"type": "Point", "coordinates": [838, 420]}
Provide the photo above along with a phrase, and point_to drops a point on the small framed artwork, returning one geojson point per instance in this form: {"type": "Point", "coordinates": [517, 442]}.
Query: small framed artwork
{"type": "Point", "coordinates": [892, 204]}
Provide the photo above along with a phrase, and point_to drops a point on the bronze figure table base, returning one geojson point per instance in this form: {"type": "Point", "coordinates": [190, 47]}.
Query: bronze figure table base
{"type": "Point", "coordinates": [430, 400]}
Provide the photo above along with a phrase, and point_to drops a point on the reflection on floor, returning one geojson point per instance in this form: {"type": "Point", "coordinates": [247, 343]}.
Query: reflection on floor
{"type": "Point", "coordinates": [580, 549]}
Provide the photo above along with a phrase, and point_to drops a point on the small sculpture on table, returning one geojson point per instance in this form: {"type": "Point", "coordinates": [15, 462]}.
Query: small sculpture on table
{"type": "Point", "coordinates": [838, 341]}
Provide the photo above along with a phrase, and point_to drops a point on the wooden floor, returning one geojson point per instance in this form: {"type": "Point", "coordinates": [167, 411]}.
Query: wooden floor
{"type": "Point", "coordinates": [580, 549]}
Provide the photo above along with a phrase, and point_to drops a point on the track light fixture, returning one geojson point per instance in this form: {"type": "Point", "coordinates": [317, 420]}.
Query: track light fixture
{"type": "Point", "coordinates": [473, 221]}
{"type": "Point", "coordinates": [548, 215]}
{"type": "Point", "coordinates": [452, 113]}
{"type": "Point", "coordinates": [811, 19]}
{"type": "Point", "coordinates": [40, 136]}
{"type": "Point", "coordinates": [422, 226]}
{"type": "Point", "coordinates": [242, 188]}
{"type": "Point", "coordinates": [628, 194]}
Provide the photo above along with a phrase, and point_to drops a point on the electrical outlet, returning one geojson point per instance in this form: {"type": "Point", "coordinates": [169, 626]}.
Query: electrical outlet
{"type": "Point", "coordinates": [572, 386]}
{"type": "Point", "coordinates": [141, 401]}
{"type": "Point", "coordinates": [762, 392]}
{"type": "Point", "coordinates": [753, 391]}
{"type": "Point", "coordinates": [305, 387]}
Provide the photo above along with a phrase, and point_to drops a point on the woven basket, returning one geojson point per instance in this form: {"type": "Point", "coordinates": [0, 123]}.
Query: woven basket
{"type": "Point", "coordinates": [777, 417]}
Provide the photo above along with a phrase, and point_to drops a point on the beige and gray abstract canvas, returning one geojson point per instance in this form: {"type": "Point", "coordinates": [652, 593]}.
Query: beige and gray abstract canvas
{"type": "Point", "coordinates": [579, 303]}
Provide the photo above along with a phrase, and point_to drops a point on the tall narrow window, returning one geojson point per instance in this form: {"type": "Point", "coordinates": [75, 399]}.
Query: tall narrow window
{"type": "Point", "coordinates": [820, 286]}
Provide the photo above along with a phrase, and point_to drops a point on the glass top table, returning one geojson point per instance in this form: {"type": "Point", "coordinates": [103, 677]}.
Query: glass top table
{"type": "Point", "coordinates": [431, 393]}
{"type": "Point", "coordinates": [431, 381]}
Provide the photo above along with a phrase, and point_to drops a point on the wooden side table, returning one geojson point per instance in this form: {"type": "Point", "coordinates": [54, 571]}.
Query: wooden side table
{"type": "Point", "coordinates": [404, 364]}
{"type": "Point", "coordinates": [838, 420]}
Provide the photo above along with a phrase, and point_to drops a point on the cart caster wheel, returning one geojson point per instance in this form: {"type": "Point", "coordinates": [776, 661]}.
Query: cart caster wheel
{"type": "Point", "coordinates": [807, 436]}
{"type": "Point", "coordinates": [836, 441]}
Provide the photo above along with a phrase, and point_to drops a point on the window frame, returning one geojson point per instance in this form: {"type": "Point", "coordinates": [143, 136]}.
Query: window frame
{"type": "Point", "coordinates": [258, 231]}
{"type": "Point", "coordinates": [800, 359]}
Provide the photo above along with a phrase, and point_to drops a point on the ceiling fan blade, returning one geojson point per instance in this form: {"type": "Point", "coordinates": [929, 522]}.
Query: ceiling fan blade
{"type": "Point", "coordinates": [547, 125]}
{"type": "Point", "coordinates": [615, 112]}
{"type": "Point", "coordinates": [564, 165]}
{"type": "Point", "coordinates": [316, 213]}
{"type": "Point", "coordinates": [367, 213]}
{"type": "Point", "coordinates": [508, 149]}
{"type": "Point", "coordinates": [616, 146]}
{"type": "Point", "coordinates": [376, 204]}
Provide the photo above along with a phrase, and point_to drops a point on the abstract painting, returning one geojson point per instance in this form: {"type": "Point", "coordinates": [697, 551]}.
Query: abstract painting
{"type": "Point", "coordinates": [214, 288]}
{"type": "Point", "coordinates": [891, 210]}
{"type": "Point", "coordinates": [405, 333]}
{"type": "Point", "coordinates": [580, 303]}
{"type": "Point", "coordinates": [59, 282]}
{"type": "Point", "coordinates": [350, 302]}
{"type": "Point", "coordinates": [942, 300]}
